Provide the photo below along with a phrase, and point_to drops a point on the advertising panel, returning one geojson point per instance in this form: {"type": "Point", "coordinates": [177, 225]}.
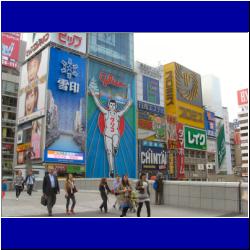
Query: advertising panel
{"type": "Point", "coordinates": [111, 137]}
{"type": "Point", "coordinates": [10, 49]}
{"type": "Point", "coordinates": [29, 141]}
{"type": "Point", "coordinates": [155, 126]}
{"type": "Point", "coordinates": [242, 97]}
{"type": "Point", "coordinates": [170, 91]}
{"type": "Point", "coordinates": [73, 41]}
{"type": "Point", "coordinates": [221, 146]}
{"type": "Point", "coordinates": [195, 139]}
{"type": "Point", "coordinates": [237, 138]}
{"type": "Point", "coordinates": [188, 86]}
{"type": "Point", "coordinates": [66, 109]}
{"type": "Point", "coordinates": [210, 124]}
{"type": "Point", "coordinates": [154, 109]}
{"type": "Point", "coordinates": [152, 156]}
{"type": "Point", "coordinates": [151, 90]}
{"type": "Point", "coordinates": [180, 159]}
{"type": "Point", "coordinates": [114, 47]}
{"type": "Point", "coordinates": [190, 115]}
{"type": "Point", "coordinates": [211, 145]}
{"type": "Point", "coordinates": [31, 95]}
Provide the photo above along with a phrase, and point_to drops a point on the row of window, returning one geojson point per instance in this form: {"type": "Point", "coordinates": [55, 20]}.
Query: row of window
{"type": "Point", "coordinates": [195, 154]}
{"type": "Point", "coordinates": [9, 101]}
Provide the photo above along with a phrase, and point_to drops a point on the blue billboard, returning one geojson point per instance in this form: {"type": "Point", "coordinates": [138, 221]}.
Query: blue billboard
{"type": "Point", "coordinates": [111, 132]}
{"type": "Point", "coordinates": [114, 47]}
{"type": "Point", "coordinates": [210, 124]}
{"type": "Point", "coordinates": [66, 108]}
{"type": "Point", "coordinates": [151, 90]}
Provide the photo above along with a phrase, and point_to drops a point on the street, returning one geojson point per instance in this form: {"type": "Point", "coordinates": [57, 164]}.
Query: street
{"type": "Point", "coordinates": [87, 205]}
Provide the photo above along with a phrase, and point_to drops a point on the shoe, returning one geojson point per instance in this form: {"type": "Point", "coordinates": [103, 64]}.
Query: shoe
{"type": "Point", "coordinates": [67, 212]}
{"type": "Point", "coordinates": [121, 215]}
{"type": "Point", "coordinates": [100, 209]}
{"type": "Point", "coordinates": [50, 214]}
{"type": "Point", "coordinates": [72, 212]}
{"type": "Point", "coordinates": [17, 199]}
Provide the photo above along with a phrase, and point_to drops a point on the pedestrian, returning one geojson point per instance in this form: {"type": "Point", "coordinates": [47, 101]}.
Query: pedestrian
{"type": "Point", "coordinates": [159, 189]}
{"type": "Point", "coordinates": [50, 189]}
{"type": "Point", "coordinates": [143, 194]}
{"type": "Point", "coordinates": [19, 184]}
{"type": "Point", "coordinates": [70, 190]}
{"type": "Point", "coordinates": [4, 188]}
{"type": "Point", "coordinates": [30, 181]}
{"type": "Point", "coordinates": [125, 190]}
{"type": "Point", "coordinates": [104, 190]}
{"type": "Point", "coordinates": [116, 185]}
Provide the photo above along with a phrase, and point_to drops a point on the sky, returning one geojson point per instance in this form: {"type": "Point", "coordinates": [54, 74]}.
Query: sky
{"type": "Point", "coordinates": [224, 55]}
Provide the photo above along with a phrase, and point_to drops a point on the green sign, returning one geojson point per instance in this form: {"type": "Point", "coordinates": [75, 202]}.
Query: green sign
{"type": "Point", "coordinates": [74, 169]}
{"type": "Point", "coordinates": [195, 138]}
{"type": "Point", "coordinates": [221, 146]}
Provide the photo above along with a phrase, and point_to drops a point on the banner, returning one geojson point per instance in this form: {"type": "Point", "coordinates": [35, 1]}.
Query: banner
{"type": "Point", "coordinates": [10, 49]}
{"type": "Point", "coordinates": [195, 139]}
{"type": "Point", "coordinates": [221, 146]}
{"type": "Point", "coordinates": [171, 136]}
{"type": "Point", "coordinates": [242, 97]}
{"type": "Point", "coordinates": [154, 109]}
{"type": "Point", "coordinates": [113, 47]}
{"type": "Point", "coordinates": [210, 124]}
{"type": "Point", "coordinates": [111, 137]}
{"type": "Point", "coordinates": [66, 109]}
{"type": "Point", "coordinates": [31, 95]}
{"type": "Point", "coordinates": [180, 159]}
{"type": "Point", "coordinates": [153, 156]}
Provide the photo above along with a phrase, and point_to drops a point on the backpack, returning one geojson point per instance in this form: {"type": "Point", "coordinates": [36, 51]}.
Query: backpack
{"type": "Point", "coordinates": [155, 185]}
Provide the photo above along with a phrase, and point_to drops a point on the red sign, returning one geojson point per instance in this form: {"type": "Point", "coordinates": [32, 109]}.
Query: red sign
{"type": "Point", "coordinates": [10, 49]}
{"type": "Point", "coordinates": [180, 151]}
{"type": "Point", "coordinates": [69, 40]}
{"type": "Point", "coordinates": [242, 96]}
{"type": "Point", "coordinates": [108, 79]}
{"type": "Point", "coordinates": [237, 138]}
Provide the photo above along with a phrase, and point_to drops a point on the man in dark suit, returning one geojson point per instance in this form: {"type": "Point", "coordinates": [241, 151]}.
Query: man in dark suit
{"type": "Point", "coordinates": [50, 189]}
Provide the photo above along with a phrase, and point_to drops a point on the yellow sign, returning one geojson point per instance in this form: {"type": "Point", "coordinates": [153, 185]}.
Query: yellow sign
{"type": "Point", "coordinates": [23, 147]}
{"type": "Point", "coordinates": [171, 163]}
{"type": "Point", "coordinates": [186, 113]}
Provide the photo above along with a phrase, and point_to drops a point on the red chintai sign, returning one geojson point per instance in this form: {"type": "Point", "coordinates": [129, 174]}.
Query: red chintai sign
{"type": "Point", "coordinates": [180, 151]}
{"type": "Point", "coordinates": [10, 49]}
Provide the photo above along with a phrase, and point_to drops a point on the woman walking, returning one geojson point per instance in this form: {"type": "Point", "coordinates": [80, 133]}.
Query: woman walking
{"type": "Point", "coordinates": [18, 182]}
{"type": "Point", "coordinates": [104, 190]}
{"type": "Point", "coordinates": [143, 194]}
{"type": "Point", "coordinates": [70, 190]}
{"type": "Point", "coordinates": [125, 190]}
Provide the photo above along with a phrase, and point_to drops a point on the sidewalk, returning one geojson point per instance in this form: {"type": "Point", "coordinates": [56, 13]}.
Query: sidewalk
{"type": "Point", "coordinates": [87, 205]}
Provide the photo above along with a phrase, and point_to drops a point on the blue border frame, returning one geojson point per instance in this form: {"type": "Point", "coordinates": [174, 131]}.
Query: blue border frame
{"type": "Point", "coordinates": [134, 17]}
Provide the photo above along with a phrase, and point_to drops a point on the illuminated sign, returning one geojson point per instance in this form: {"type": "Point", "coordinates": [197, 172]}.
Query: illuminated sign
{"type": "Point", "coordinates": [210, 124]}
{"type": "Point", "coordinates": [242, 97]}
{"type": "Point", "coordinates": [151, 91]}
{"type": "Point", "coordinates": [169, 88]}
{"type": "Point", "coordinates": [108, 79]}
{"type": "Point", "coordinates": [53, 154]}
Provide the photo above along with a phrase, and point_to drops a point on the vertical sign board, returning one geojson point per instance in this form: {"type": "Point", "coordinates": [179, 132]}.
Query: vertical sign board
{"type": "Point", "coordinates": [151, 90]}
{"type": "Point", "coordinates": [242, 97]}
{"type": "Point", "coordinates": [195, 139]}
{"type": "Point", "coordinates": [111, 136]}
{"type": "Point", "coordinates": [10, 49]}
{"type": "Point", "coordinates": [221, 146]}
{"type": "Point", "coordinates": [66, 109]}
{"type": "Point", "coordinates": [210, 124]}
{"type": "Point", "coordinates": [180, 151]}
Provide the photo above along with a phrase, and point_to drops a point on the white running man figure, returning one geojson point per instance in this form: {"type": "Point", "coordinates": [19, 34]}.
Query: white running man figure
{"type": "Point", "coordinates": [112, 123]}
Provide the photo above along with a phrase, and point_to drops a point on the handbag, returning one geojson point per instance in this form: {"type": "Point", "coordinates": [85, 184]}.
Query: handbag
{"type": "Point", "coordinates": [74, 190]}
{"type": "Point", "coordinates": [44, 200]}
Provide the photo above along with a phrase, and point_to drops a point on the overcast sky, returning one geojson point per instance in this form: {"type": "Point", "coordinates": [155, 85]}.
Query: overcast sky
{"type": "Point", "coordinates": [224, 55]}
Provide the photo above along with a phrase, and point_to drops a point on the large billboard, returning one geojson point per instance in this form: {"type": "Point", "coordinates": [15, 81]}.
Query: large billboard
{"type": "Point", "coordinates": [152, 157]}
{"type": "Point", "coordinates": [32, 88]}
{"type": "Point", "coordinates": [221, 146]}
{"type": "Point", "coordinates": [114, 47]}
{"type": "Point", "coordinates": [72, 41]}
{"type": "Point", "coordinates": [10, 49]}
{"type": "Point", "coordinates": [195, 139]}
{"type": "Point", "coordinates": [111, 136]}
{"type": "Point", "coordinates": [242, 97]}
{"type": "Point", "coordinates": [210, 124]}
{"type": "Point", "coordinates": [183, 96]}
{"type": "Point", "coordinates": [66, 108]}
{"type": "Point", "coordinates": [29, 141]}
{"type": "Point", "coordinates": [188, 86]}
{"type": "Point", "coordinates": [180, 159]}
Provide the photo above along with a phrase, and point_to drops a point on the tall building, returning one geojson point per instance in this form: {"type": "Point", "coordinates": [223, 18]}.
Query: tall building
{"type": "Point", "coordinates": [243, 124]}
{"type": "Point", "coordinates": [151, 126]}
{"type": "Point", "coordinates": [12, 56]}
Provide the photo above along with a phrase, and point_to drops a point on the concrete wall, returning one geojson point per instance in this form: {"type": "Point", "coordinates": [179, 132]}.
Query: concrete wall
{"type": "Point", "coordinates": [221, 196]}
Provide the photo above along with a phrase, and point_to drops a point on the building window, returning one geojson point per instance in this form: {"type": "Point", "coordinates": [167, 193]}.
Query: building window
{"type": "Point", "coordinates": [244, 134]}
{"type": "Point", "coordinates": [192, 168]}
{"type": "Point", "coordinates": [243, 115]}
{"type": "Point", "coordinates": [243, 121]}
{"type": "Point", "coordinates": [9, 101]}
{"type": "Point", "coordinates": [244, 155]}
{"type": "Point", "coordinates": [186, 153]}
{"type": "Point", "coordinates": [244, 148]}
{"type": "Point", "coordinates": [198, 155]}
{"type": "Point", "coordinates": [191, 153]}
{"type": "Point", "coordinates": [244, 128]}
